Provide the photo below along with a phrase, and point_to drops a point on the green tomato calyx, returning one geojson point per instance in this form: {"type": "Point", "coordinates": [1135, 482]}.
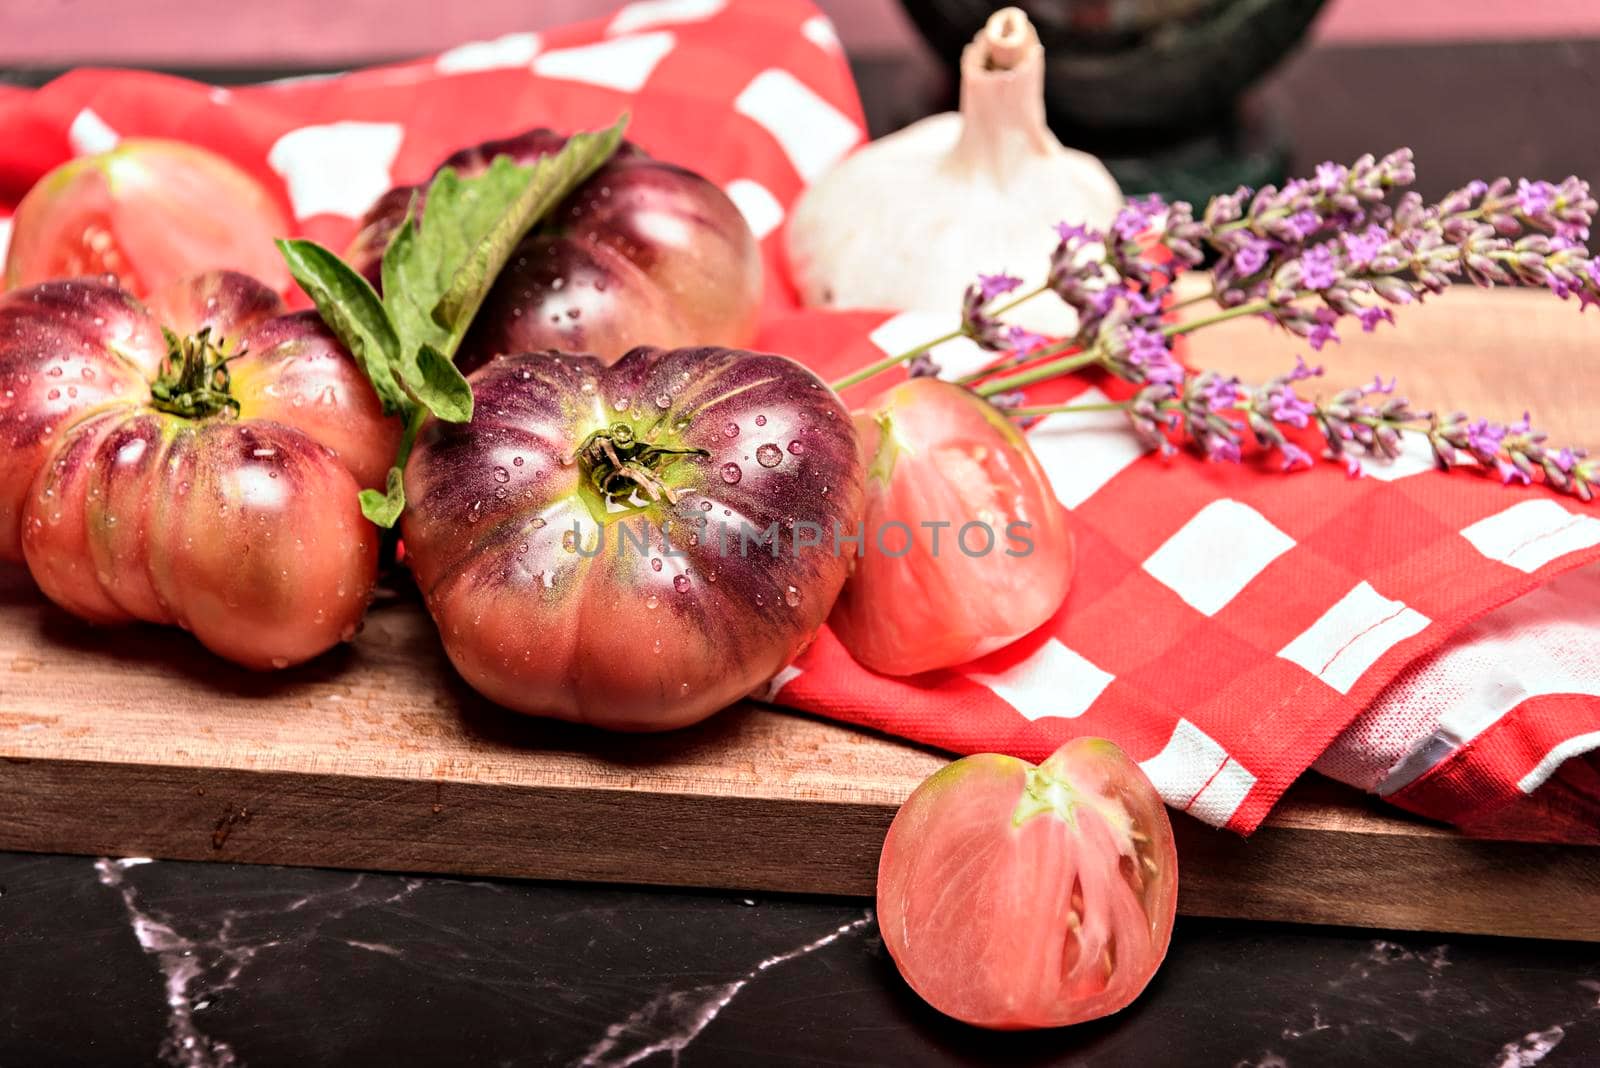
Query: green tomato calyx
{"type": "Point", "coordinates": [193, 381]}
{"type": "Point", "coordinates": [1044, 793]}
{"type": "Point", "coordinates": [620, 466]}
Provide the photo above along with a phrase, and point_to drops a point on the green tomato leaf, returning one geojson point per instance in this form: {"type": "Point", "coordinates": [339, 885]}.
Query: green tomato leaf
{"type": "Point", "coordinates": [551, 181]}
{"type": "Point", "coordinates": [353, 312]}
{"type": "Point", "coordinates": [384, 509]}
{"type": "Point", "coordinates": [442, 387]}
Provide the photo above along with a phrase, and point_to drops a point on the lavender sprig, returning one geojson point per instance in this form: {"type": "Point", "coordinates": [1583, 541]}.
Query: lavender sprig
{"type": "Point", "coordinates": [1346, 244]}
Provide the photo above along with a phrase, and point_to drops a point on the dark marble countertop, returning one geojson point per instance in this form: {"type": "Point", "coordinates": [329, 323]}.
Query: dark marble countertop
{"type": "Point", "coordinates": [134, 962]}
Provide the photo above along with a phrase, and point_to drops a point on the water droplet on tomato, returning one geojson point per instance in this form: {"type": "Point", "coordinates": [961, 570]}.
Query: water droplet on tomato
{"type": "Point", "coordinates": [54, 394]}
{"type": "Point", "coordinates": [72, 391]}
{"type": "Point", "coordinates": [88, 374]}
{"type": "Point", "coordinates": [731, 430]}
{"type": "Point", "coordinates": [663, 400]}
{"type": "Point", "coordinates": [569, 540]}
{"type": "Point", "coordinates": [769, 455]}
{"type": "Point", "coordinates": [621, 404]}
{"type": "Point", "coordinates": [731, 473]}
{"type": "Point", "coordinates": [54, 372]}
{"type": "Point", "coordinates": [536, 522]}
{"type": "Point", "coordinates": [791, 597]}
{"type": "Point", "coordinates": [655, 565]}
{"type": "Point", "coordinates": [500, 494]}
{"type": "Point", "coordinates": [658, 647]}
{"type": "Point", "coordinates": [797, 448]}
{"type": "Point", "coordinates": [651, 601]}
{"type": "Point", "coordinates": [502, 475]}
{"type": "Point", "coordinates": [680, 583]}
{"type": "Point", "coordinates": [683, 689]}
{"type": "Point", "coordinates": [705, 506]}
{"type": "Point", "coordinates": [280, 662]}
{"type": "Point", "coordinates": [761, 420]}
{"type": "Point", "coordinates": [587, 386]}
{"type": "Point", "coordinates": [516, 461]}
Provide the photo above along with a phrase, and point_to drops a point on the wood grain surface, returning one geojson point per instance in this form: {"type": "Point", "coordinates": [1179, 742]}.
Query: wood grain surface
{"type": "Point", "coordinates": [134, 741]}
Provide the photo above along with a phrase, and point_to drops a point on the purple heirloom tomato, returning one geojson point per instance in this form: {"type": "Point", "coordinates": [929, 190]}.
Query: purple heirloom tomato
{"type": "Point", "coordinates": [644, 252]}
{"type": "Point", "coordinates": [196, 463]}
{"type": "Point", "coordinates": [633, 546]}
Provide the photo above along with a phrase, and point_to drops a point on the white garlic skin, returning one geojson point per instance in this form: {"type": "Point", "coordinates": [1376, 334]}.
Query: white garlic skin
{"type": "Point", "coordinates": [907, 222]}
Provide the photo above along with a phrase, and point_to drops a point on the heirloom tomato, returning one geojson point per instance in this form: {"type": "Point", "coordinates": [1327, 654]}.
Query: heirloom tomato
{"type": "Point", "coordinates": [149, 212]}
{"type": "Point", "coordinates": [969, 548]}
{"type": "Point", "coordinates": [635, 546]}
{"type": "Point", "coordinates": [1013, 896]}
{"type": "Point", "coordinates": [197, 464]}
{"type": "Point", "coordinates": [643, 253]}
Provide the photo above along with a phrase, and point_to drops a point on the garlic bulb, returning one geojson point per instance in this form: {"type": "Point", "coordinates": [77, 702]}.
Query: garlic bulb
{"type": "Point", "coordinates": [908, 221]}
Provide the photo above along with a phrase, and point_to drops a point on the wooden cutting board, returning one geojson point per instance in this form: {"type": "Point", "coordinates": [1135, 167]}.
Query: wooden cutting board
{"type": "Point", "coordinates": [136, 742]}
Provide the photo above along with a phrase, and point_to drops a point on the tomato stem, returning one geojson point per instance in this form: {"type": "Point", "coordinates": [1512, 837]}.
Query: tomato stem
{"type": "Point", "coordinates": [193, 381]}
{"type": "Point", "coordinates": [619, 465]}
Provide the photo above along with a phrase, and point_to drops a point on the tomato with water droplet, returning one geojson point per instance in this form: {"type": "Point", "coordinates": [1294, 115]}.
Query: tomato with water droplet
{"type": "Point", "coordinates": [1012, 896]}
{"type": "Point", "coordinates": [183, 484]}
{"type": "Point", "coordinates": [643, 253]}
{"type": "Point", "coordinates": [149, 212]}
{"type": "Point", "coordinates": [628, 526]}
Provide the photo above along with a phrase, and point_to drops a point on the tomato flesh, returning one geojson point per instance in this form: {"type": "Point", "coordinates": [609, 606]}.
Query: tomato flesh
{"type": "Point", "coordinates": [1012, 896]}
{"type": "Point", "coordinates": [1000, 565]}
{"type": "Point", "coordinates": [149, 213]}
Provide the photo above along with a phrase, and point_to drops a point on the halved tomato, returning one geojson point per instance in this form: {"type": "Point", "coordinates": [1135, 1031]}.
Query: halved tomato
{"type": "Point", "coordinates": [1013, 896]}
{"type": "Point", "coordinates": [149, 212]}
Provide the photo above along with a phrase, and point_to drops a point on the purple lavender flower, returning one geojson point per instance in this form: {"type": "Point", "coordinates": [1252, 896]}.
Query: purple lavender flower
{"type": "Point", "coordinates": [1322, 333]}
{"type": "Point", "coordinates": [1330, 177]}
{"type": "Point", "coordinates": [922, 366]}
{"type": "Point", "coordinates": [991, 286]}
{"type": "Point", "coordinates": [1075, 233]}
{"type": "Point", "coordinates": [1137, 216]}
{"type": "Point", "coordinates": [1303, 224]}
{"type": "Point", "coordinates": [1014, 399]}
{"type": "Point", "coordinates": [1535, 199]}
{"type": "Point", "coordinates": [977, 323]}
{"type": "Point", "coordinates": [1362, 248]}
{"type": "Point", "coordinates": [1294, 456]}
{"type": "Point", "coordinates": [1024, 341]}
{"type": "Point", "coordinates": [1318, 268]}
{"type": "Point", "coordinates": [1484, 437]}
{"type": "Point", "coordinates": [1221, 393]}
{"type": "Point", "coordinates": [1140, 304]}
{"type": "Point", "coordinates": [1145, 346]}
{"type": "Point", "coordinates": [1252, 257]}
{"type": "Point", "coordinates": [1371, 316]}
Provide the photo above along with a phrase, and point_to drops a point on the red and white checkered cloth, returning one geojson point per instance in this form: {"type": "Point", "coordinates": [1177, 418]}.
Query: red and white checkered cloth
{"type": "Point", "coordinates": [1226, 624]}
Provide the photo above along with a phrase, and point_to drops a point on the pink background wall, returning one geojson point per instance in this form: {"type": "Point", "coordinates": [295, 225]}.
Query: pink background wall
{"type": "Point", "coordinates": [204, 33]}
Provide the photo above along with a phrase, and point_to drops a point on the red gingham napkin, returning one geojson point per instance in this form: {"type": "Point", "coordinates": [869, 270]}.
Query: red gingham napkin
{"type": "Point", "coordinates": [1225, 624]}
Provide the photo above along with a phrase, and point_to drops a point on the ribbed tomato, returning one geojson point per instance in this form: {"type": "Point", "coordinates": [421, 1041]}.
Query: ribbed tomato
{"type": "Point", "coordinates": [643, 253]}
{"type": "Point", "coordinates": [200, 468]}
{"type": "Point", "coordinates": [1013, 896]}
{"type": "Point", "coordinates": [635, 546]}
{"type": "Point", "coordinates": [148, 212]}
{"type": "Point", "coordinates": [970, 549]}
